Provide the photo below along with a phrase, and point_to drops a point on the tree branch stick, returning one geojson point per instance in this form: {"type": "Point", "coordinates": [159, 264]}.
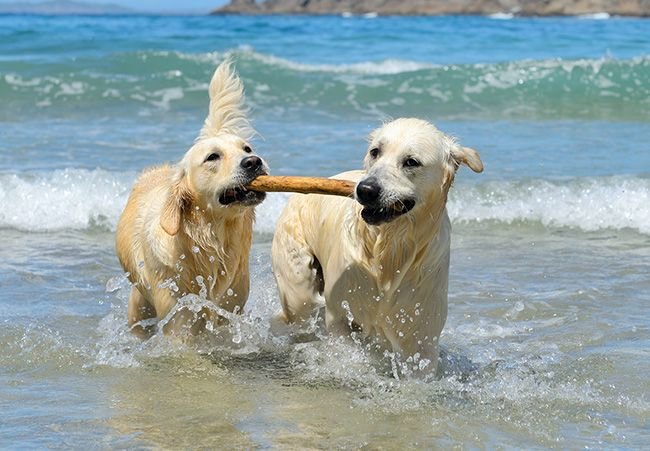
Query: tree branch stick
{"type": "Point", "coordinates": [304, 185]}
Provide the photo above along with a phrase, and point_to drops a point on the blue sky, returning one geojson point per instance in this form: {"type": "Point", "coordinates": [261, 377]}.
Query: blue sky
{"type": "Point", "coordinates": [151, 5]}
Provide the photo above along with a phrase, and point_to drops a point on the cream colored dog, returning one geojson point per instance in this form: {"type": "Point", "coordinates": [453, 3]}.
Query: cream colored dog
{"type": "Point", "coordinates": [380, 265]}
{"type": "Point", "coordinates": [187, 228]}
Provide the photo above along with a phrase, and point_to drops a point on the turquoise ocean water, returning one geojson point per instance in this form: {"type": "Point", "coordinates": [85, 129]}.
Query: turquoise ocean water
{"type": "Point", "coordinates": [548, 338]}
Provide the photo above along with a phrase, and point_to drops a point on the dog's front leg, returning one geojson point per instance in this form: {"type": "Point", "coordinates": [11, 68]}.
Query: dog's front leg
{"type": "Point", "coordinates": [416, 348]}
{"type": "Point", "coordinates": [236, 295]}
{"type": "Point", "coordinates": [336, 322]}
{"type": "Point", "coordinates": [140, 310]}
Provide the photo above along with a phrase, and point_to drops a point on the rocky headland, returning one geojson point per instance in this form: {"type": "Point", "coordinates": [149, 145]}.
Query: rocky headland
{"type": "Point", "coordinates": [440, 7]}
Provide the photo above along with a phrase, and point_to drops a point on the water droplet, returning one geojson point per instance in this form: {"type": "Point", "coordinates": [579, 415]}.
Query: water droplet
{"type": "Point", "coordinates": [229, 292]}
{"type": "Point", "coordinates": [115, 283]}
{"type": "Point", "coordinates": [203, 293]}
{"type": "Point", "coordinates": [169, 283]}
{"type": "Point", "coordinates": [348, 314]}
{"type": "Point", "coordinates": [211, 258]}
{"type": "Point", "coordinates": [195, 249]}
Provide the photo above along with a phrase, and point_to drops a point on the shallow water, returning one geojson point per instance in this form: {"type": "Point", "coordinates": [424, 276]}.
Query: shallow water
{"type": "Point", "coordinates": [547, 341]}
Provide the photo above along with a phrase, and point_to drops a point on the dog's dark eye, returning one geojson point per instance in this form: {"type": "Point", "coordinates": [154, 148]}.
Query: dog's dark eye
{"type": "Point", "coordinates": [213, 157]}
{"type": "Point", "coordinates": [374, 152]}
{"type": "Point", "coordinates": [248, 149]}
{"type": "Point", "coordinates": [411, 163]}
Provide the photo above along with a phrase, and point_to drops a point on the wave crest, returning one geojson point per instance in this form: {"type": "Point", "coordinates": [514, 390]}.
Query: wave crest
{"type": "Point", "coordinates": [587, 204]}
{"type": "Point", "coordinates": [160, 80]}
{"type": "Point", "coordinates": [66, 199]}
{"type": "Point", "coordinates": [80, 199]}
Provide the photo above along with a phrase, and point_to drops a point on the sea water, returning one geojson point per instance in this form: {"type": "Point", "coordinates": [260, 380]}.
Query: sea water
{"type": "Point", "coordinates": [547, 343]}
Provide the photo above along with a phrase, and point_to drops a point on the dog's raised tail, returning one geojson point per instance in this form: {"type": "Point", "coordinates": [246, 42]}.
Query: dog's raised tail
{"type": "Point", "coordinates": [227, 112]}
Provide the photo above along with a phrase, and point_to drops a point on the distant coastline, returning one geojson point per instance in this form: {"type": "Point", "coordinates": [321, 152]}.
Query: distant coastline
{"type": "Point", "coordinates": [639, 8]}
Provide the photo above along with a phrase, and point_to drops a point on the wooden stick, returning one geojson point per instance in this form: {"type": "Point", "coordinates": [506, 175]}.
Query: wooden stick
{"type": "Point", "coordinates": [304, 185]}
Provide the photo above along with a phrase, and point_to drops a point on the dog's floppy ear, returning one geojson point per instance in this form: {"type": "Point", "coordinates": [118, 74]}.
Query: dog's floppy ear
{"type": "Point", "coordinates": [178, 199]}
{"type": "Point", "coordinates": [468, 157]}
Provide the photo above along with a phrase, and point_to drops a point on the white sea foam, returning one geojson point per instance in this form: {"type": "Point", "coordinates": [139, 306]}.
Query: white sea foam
{"type": "Point", "coordinates": [80, 199]}
{"type": "Point", "coordinates": [587, 204]}
{"type": "Point", "coordinates": [17, 80]}
{"type": "Point", "coordinates": [267, 213]}
{"type": "Point", "coordinates": [77, 199]}
{"type": "Point", "coordinates": [64, 199]}
{"type": "Point", "coordinates": [501, 16]}
{"type": "Point", "coordinates": [166, 96]}
{"type": "Point", "coordinates": [385, 67]}
{"type": "Point", "coordinates": [518, 73]}
{"type": "Point", "coordinates": [595, 16]}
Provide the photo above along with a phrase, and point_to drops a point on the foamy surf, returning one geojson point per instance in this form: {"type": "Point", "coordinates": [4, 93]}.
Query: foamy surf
{"type": "Point", "coordinates": [79, 199]}
{"type": "Point", "coordinates": [248, 54]}
{"type": "Point", "coordinates": [64, 199]}
{"type": "Point", "coordinates": [595, 16]}
{"type": "Point", "coordinates": [588, 204]}
{"type": "Point", "coordinates": [501, 16]}
{"type": "Point", "coordinates": [168, 80]}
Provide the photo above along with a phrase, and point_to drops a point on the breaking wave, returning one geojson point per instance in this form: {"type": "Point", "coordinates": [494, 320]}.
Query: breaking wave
{"type": "Point", "coordinates": [161, 80]}
{"type": "Point", "coordinates": [80, 199]}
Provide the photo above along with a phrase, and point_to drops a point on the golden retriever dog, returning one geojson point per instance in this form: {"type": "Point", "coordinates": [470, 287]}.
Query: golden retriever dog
{"type": "Point", "coordinates": [187, 228]}
{"type": "Point", "coordinates": [379, 266]}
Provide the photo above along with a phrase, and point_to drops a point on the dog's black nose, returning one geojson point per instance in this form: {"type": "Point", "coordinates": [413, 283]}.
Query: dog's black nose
{"type": "Point", "coordinates": [368, 191]}
{"type": "Point", "coordinates": [251, 163]}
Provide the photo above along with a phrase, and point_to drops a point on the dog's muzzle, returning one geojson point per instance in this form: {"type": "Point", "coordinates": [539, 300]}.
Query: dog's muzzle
{"type": "Point", "coordinates": [369, 193]}
{"type": "Point", "coordinates": [241, 196]}
{"type": "Point", "coordinates": [251, 167]}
